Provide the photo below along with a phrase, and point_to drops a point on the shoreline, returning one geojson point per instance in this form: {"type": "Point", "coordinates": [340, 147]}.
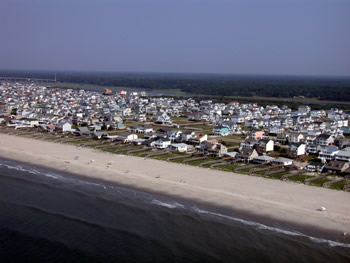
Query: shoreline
{"type": "Point", "coordinates": [274, 201]}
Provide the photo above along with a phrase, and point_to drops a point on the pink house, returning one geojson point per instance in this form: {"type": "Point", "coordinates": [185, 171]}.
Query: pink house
{"type": "Point", "coordinates": [256, 135]}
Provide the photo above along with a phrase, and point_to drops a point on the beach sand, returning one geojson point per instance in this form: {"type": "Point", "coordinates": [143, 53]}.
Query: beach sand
{"type": "Point", "coordinates": [285, 201]}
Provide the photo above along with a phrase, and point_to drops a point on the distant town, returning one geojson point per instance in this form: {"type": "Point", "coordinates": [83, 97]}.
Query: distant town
{"type": "Point", "coordinates": [306, 146]}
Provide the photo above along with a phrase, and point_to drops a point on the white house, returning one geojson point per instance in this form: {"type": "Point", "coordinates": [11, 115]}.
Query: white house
{"type": "Point", "coordinates": [174, 134]}
{"type": "Point", "coordinates": [324, 139]}
{"type": "Point", "coordinates": [238, 119]}
{"type": "Point", "coordinates": [295, 137]}
{"type": "Point", "coordinates": [125, 137]}
{"type": "Point", "coordinates": [263, 159]}
{"type": "Point", "coordinates": [328, 153]}
{"type": "Point", "coordinates": [163, 118]}
{"type": "Point", "coordinates": [296, 149]}
{"type": "Point", "coordinates": [161, 143]}
{"type": "Point", "coordinates": [283, 161]}
{"type": "Point", "coordinates": [179, 147]}
{"type": "Point", "coordinates": [343, 155]}
{"type": "Point", "coordinates": [264, 145]}
{"type": "Point", "coordinates": [66, 127]}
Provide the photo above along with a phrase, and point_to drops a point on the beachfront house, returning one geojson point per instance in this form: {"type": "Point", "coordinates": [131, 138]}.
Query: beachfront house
{"type": "Point", "coordinates": [218, 150]}
{"type": "Point", "coordinates": [247, 144]}
{"type": "Point", "coordinates": [211, 149]}
{"type": "Point", "coordinates": [282, 161]}
{"type": "Point", "coordinates": [342, 142]}
{"type": "Point", "coordinates": [138, 141]}
{"type": "Point", "coordinates": [98, 135]}
{"type": "Point", "coordinates": [26, 123]}
{"type": "Point", "coordinates": [230, 155]}
{"type": "Point", "coordinates": [247, 155]}
{"type": "Point", "coordinates": [82, 131]}
{"type": "Point", "coordinates": [161, 143]}
{"type": "Point", "coordinates": [264, 146]}
{"type": "Point", "coordinates": [343, 155]}
{"type": "Point", "coordinates": [337, 166]}
{"type": "Point", "coordinates": [126, 137]}
{"type": "Point", "coordinates": [314, 167]}
{"type": "Point", "coordinates": [328, 153]}
{"type": "Point", "coordinates": [295, 150]}
{"type": "Point", "coordinates": [313, 148]}
{"type": "Point", "coordinates": [64, 127]}
{"type": "Point", "coordinates": [263, 159]}
{"type": "Point", "coordinates": [178, 147]}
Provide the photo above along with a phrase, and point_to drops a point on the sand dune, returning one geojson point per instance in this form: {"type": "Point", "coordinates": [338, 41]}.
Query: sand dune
{"type": "Point", "coordinates": [295, 203]}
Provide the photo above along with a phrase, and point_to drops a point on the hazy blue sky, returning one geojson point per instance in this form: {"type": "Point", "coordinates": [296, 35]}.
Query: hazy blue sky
{"type": "Point", "coordinates": [215, 36]}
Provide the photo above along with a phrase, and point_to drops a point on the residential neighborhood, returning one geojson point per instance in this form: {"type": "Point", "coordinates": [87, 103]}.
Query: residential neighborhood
{"type": "Point", "coordinates": [271, 141]}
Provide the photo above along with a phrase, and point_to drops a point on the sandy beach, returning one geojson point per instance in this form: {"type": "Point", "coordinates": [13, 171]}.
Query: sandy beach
{"type": "Point", "coordinates": [285, 201]}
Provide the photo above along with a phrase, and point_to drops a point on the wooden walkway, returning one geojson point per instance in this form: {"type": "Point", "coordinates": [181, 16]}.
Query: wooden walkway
{"type": "Point", "coordinates": [346, 187]}
{"type": "Point", "coordinates": [326, 184]}
{"type": "Point", "coordinates": [138, 150]}
{"type": "Point", "coordinates": [286, 176]}
{"type": "Point", "coordinates": [247, 167]}
{"type": "Point", "coordinates": [194, 159]}
{"type": "Point", "coordinates": [265, 168]}
{"type": "Point", "coordinates": [179, 157]}
{"type": "Point", "coordinates": [308, 180]}
{"type": "Point", "coordinates": [268, 173]}
{"type": "Point", "coordinates": [220, 164]}
{"type": "Point", "coordinates": [124, 148]}
{"type": "Point", "coordinates": [158, 153]}
{"type": "Point", "coordinates": [210, 162]}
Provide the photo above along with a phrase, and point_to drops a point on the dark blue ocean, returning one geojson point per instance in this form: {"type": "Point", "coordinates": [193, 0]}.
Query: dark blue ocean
{"type": "Point", "coordinates": [48, 216]}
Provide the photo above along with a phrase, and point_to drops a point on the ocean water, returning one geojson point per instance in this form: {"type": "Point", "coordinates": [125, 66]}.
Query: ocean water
{"type": "Point", "coordinates": [48, 216]}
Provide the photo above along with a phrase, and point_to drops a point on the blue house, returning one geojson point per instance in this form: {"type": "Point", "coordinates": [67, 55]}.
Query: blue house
{"type": "Point", "coordinates": [120, 126]}
{"type": "Point", "coordinates": [346, 130]}
{"type": "Point", "coordinates": [221, 131]}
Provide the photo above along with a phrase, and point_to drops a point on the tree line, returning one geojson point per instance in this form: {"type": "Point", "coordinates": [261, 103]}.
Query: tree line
{"type": "Point", "coordinates": [331, 88]}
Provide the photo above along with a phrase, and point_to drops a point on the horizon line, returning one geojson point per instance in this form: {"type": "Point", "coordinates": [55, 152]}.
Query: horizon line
{"type": "Point", "coordinates": [178, 73]}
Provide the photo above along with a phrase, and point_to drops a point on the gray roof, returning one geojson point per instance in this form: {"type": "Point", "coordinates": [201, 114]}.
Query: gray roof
{"type": "Point", "coordinates": [179, 144]}
{"type": "Point", "coordinates": [264, 158]}
{"type": "Point", "coordinates": [345, 152]}
{"type": "Point", "coordinates": [282, 159]}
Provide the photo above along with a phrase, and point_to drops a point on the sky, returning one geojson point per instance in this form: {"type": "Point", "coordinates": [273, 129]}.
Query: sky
{"type": "Point", "coordinates": [265, 37]}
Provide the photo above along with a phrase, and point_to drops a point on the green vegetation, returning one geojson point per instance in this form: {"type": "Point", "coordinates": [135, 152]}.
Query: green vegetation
{"type": "Point", "coordinates": [290, 90]}
{"type": "Point", "coordinates": [277, 176]}
{"type": "Point", "coordinates": [319, 182]}
{"type": "Point", "coordinates": [299, 178]}
{"type": "Point", "coordinates": [197, 162]}
{"type": "Point", "coordinates": [227, 168]}
{"type": "Point", "coordinates": [339, 185]}
{"type": "Point", "coordinates": [165, 156]}
{"type": "Point", "coordinates": [179, 160]}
